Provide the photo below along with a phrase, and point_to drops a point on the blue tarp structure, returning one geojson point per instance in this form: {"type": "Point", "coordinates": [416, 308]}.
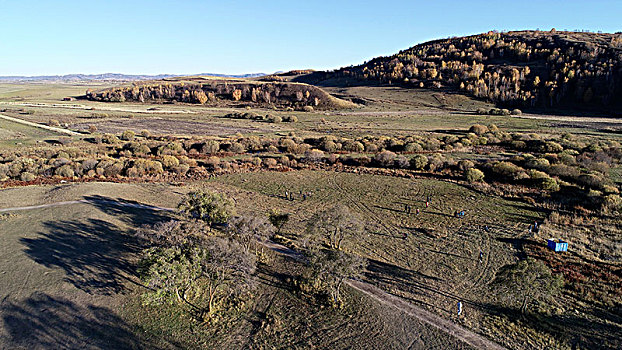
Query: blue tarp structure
{"type": "Point", "coordinates": [557, 245]}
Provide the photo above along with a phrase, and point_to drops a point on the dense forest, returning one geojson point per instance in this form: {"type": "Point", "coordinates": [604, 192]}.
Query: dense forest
{"type": "Point", "coordinates": [518, 69]}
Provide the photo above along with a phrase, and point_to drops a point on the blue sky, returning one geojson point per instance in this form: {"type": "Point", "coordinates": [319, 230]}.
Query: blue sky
{"type": "Point", "coordinates": [150, 37]}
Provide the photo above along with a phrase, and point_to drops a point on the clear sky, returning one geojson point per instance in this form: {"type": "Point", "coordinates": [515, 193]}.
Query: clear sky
{"type": "Point", "coordinates": [149, 37]}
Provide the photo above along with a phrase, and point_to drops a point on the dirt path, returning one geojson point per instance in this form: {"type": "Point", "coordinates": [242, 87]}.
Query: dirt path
{"type": "Point", "coordinates": [86, 201]}
{"type": "Point", "coordinates": [98, 108]}
{"type": "Point", "coordinates": [447, 326]}
{"type": "Point", "coordinates": [566, 118]}
{"type": "Point", "coordinates": [41, 126]}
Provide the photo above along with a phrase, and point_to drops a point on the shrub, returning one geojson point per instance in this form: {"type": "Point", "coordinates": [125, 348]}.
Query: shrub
{"type": "Point", "coordinates": [612, 202]}
{"type": "Point", "coordinates": [26, 176]}
{"type": "Point", "coordinates": [353, 146]}
{"type": "Point", "coordinates": [210, 147]}
{"type": "Point", "coordinates": [385, 158]}
{"type": "Point", "coordinates": [413, 147]}
{"type": "Point", "coordinates": [507, 170]}
{"type": "Point", "coordinates": [274, 119]}
{"type": "Point", "coordinates": [307, 108]}
{"type": "Point", "coordinates": [53, 122]}
{"type": "Point", "coordinates": [464, 165]}
{"type": "Point", "coordinates": [64, 171]}
{"type": "Point", "coordinates": [473, 175]}
{"type": "Point", "coordinates": [371, 147]}
{"type": "Point", "coordinates": [269, 162]}
{"type": "Point", "coordinates": [418, 162]}
{"type": "Point", "coordinates": [548, 184]}
{"type": "Point", "coordinates": [288, 145]}
{"type": "Point", "coordinates": [211, 207]}
{"type": "Point", "coordinates": [314, 155]}
{"type": "Point", "coordinates": [237, 147]}
{"type": "Point", "coordinates": [128, 135]}
{"type": "Point", "coordinates": [329, 146]}
{"type": "Point", "coordinates": [170, 162]}
{"type": "Point", "coordinates": [478, 129]}
{"type": "Point", "coordinates": [517, 111]}
{"type": "Point", "coordinates": [402, 162]}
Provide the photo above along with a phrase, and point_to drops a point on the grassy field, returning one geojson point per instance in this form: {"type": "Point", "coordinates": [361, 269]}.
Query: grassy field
{"type": "Point", "coordinates": [65, 270]}
{"type": "Point", "coordinates": [437, 264]}
{"type": "Point", "coordinates": [77, 262]}
{"type": "Point", "coordinates": [386, 111]}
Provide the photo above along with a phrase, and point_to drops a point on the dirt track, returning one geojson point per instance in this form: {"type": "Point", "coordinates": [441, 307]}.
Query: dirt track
{"type": "Point", "coordinates": [41, 126]}
{"type": "Point", "coordinates": [447, 326]}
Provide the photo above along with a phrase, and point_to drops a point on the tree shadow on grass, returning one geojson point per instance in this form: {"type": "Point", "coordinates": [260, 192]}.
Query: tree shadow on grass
{"type": "Point", "coordinates": [580, 332]}
{"type": "Point", "coordinates": [93, 253]}
{"type": "Point", "coordinates": [46, 322]}
{"type": "Point", "coordinates": [132, 212]}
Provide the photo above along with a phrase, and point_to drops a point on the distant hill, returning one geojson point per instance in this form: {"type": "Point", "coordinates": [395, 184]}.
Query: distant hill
{"type": "Point", "coordinates": [111, 77]}
{"type": "Point", "coordinates": [523, 68]}
{"type": "Point", "coordinates": [221, 91]}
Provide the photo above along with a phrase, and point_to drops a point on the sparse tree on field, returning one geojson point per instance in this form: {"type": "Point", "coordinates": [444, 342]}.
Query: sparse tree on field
{"type": "Point", "coordinates": [248, 230]}
{"type": "Point", "coordinates": [330, 268]}
{"type": "Point", "coordinates": [278, 219]}
{"type": "Point", "coordinates": [199, 273]}
{"type": "Point", "coordinates": [211, 207]}
{"type": "Point", "coordinates": [528, 280]}
{"type": "Point", "coordinates": [334, 226]}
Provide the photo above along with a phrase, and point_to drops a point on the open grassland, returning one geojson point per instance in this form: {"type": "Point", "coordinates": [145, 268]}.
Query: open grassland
{"type": "Point", "coordinates": [389, 111]}
{"type": "Point", "coordinates": [69, 278]}
{"type": "Point", "coordinates": [65, 270]}
{"type": "Point", "coordinates": [431, 258]}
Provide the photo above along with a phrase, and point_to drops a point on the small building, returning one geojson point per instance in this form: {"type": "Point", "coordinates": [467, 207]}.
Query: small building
{"type": "Point", "coordinates": [557, 245]}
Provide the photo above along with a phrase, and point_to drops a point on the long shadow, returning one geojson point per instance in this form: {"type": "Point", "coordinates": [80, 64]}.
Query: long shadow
{"type": "Point", "coordinates": [580, 332]}
{"type": "Point", "coordinates": [517, 243]}
{"type": "Point", "coordinates": [47, 322]}
{"type": "Point", "coordinates": [410, 281]}
{"type": "Point", "coordinates": [123, 209]}
{"type": "Point", "coordinates": [389, 209]}
{"type": "Point", "coordinates": [93, 253]}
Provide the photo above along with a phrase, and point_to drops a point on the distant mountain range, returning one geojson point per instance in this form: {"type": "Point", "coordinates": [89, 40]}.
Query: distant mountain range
{"type": "Point", "coordinates": [111, 77]}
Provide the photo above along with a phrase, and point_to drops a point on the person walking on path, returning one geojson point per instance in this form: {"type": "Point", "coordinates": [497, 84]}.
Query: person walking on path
{"type": "Point", "coordinates": [481, 256]}
{"type": "Point", "coordinates": [459, 308]}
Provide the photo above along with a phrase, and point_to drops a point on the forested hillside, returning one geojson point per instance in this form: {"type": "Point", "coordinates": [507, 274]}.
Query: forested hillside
{"type": "Point", "coordinates": [216, 91]}
{"type": "Point", "coordinates": [526, 68]}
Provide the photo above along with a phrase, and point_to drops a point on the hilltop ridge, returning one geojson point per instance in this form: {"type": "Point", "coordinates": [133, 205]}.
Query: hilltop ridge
{"type": "Point", "coordinates": [522, 68]}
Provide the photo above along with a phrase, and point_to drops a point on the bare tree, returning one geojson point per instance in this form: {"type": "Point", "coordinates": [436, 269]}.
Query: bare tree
{"type": "Point", "coordinates": [199, 273]}
{"type": "Point", "coordinates": [335, 225]}
{"type": "Point", "coordinates": [249, 229]}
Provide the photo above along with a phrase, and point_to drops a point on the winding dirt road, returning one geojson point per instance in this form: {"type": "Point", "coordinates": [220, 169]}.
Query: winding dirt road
{"type": "Point", "coordinates": [444, 325]}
